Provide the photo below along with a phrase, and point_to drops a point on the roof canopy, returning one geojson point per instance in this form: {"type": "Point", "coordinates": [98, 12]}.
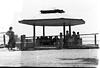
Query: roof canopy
{"type": "Point", "coordinates": [53, 22]}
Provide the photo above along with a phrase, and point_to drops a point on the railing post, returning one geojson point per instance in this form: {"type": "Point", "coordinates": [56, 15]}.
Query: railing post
{"type": "Point", "coordinates": [95, 41]}
{"type": "Point", "coordinates": [43, 30]}
{"type": "Point", "coordinates": [22, 42]}
{"type": "Point", "coordinates": [70, 30]}
{"type": "Point", "coordinates": [34, 36]}
{"type": "Point", "coordinates": [64, 33]}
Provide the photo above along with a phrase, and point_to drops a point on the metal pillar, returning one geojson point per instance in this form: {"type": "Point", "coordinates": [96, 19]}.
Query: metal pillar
{"type": "Point", "coordinates": [43, 30]}
{"type": "Point", "coordinates": [70, 30]}
{"type": "Point", "coordinates": [64, 32]}
{"type": "Point", "coordinates": [4, 39]}
{"type": "Point", "coordinates": [22, 47]}
{"type": "Point", "coordinates": [95, 39]}
{"type": "Point", "coordinates": [33, 35]}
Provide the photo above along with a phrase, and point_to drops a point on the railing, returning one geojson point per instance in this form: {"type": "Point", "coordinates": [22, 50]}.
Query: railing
{"type": "Point", "coordinates": [27, 42]}
{"type": "Point", "coordinates": [3, 38]}
{"type": "Point", "coordinates": [89, 40]}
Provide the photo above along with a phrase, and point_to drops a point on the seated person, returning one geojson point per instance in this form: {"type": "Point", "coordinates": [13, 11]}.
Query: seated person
{"type": "Point", "coordinates": [46, 40]}
{"type": "Point", "coordinates": [50, 40]}
{"type": "Point", "coordinates": [50, 37]}
{"type": "Point", "coordinates": [38, 41]}
{"type": "Point", "coordinates": [37, 38]}
{"type": "Point", "coordinates": [55, 39]}
{"type": "Point", "coordinates": [41, 40]}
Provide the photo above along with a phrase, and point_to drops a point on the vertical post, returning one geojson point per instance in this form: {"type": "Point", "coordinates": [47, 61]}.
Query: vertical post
{"type": "Point", "coordinates": [43, 30]}
{"type": "Point", "coordinates": [70, 30]}
{"type": "Point", "coordinates": [33, 35]}
{"type": "Point", "coordinates": [22, 42]}
{"type": "Point", "coordinates": [64, 32]}
{"type": "Point", "coordinates": [4, 39]}
{"type": "Point", "coordinates": [95, 41]}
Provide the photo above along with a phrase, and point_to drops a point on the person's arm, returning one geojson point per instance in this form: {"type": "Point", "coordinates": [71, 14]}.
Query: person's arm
{"type": "Point", "coordinates": [7, 33]}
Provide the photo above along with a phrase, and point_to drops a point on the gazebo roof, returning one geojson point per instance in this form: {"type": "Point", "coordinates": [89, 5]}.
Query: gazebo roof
{"type": "Point", "coordinates": [53, 22]}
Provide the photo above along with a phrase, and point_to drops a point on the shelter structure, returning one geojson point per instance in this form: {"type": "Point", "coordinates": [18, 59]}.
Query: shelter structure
{"type": "Point", "coordinates": [52, 22]}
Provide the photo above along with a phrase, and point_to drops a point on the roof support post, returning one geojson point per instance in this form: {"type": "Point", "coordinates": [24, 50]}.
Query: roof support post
{"type": "Point", "coordinates": [64, 32]}
{"type": "Point", "coordinates": [70, 30]}
{"type": "Point", "coordinates": [4, 39]}
{"type": "Point", "coordinates": [43, 30]}
{"type": "Point", "coordinates": [33, 35]}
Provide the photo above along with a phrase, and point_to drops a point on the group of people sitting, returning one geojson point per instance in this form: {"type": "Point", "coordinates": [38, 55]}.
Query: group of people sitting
{"type": "Point", "coordinates": [51, 40]}
{"type": "Point", "coordinates": [47, 40]}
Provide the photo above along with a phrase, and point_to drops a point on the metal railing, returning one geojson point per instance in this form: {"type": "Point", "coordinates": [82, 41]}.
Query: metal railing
{"type": "Point", "coordinates": [89, 40]}
{"type": "Point", "coordinates": [3, 39]}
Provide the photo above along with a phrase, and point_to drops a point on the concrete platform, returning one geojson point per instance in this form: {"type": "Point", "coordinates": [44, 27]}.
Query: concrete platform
{"type": "Point", "coordinates": [49, 58]}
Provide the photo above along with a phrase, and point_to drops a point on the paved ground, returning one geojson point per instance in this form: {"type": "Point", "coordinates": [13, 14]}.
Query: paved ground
{"type": "Point", "coordinates": [49, 58]}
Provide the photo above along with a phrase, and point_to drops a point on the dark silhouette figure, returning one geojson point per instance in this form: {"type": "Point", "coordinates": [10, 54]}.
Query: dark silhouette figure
{"type": "Point", "coordinates": [55, 40]}
{"type": "Point", "coordinates": [61, 41]}
{"type": "Point", "coordinates": [74, 36]}
{"type": "Point", "coordinates": [50, 40]}
{"type": "Point", "coordinates": [67, 36]}
{"type": "Point", "coordinates": [11, 42]}
{"type": "Point", "coordinates": [78, 35]}
{"type": "Point", "coordinates": [79, 39]}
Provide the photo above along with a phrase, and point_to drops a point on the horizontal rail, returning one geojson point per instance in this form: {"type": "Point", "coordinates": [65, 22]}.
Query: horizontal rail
{"type": "Point", "coordinates": [90, 34]}
{"type": "Point", "coordinates": [2, 32]}
{"type": "Point", "coordinates": [63, 35]}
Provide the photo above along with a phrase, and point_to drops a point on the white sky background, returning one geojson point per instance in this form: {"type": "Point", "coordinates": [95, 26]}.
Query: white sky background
{"type": "Point", "coordinates": [14, 10]}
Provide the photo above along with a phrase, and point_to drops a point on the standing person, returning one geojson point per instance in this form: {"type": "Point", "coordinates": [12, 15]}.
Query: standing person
{"type": "Point", "coordinates": [78, 35]}
{"type": "Point", "coordinates": [74, 36]}
{"type": "Point", "coordinates": [11, 42]}
{"type": "Point", "coordinates": [67, 37]}
{"type": "Point", "coordinates": [61, 41]}
{"type": "Point", "coordinates": [79, 40]}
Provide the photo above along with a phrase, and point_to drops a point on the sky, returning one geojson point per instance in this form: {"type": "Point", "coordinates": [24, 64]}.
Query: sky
{"type": "Point", "coordinates": [13, 11]}
{"type": "Point", "coordinates": [7, 11]}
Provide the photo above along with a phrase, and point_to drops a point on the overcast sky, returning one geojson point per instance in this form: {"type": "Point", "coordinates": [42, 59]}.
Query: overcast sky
{"type": "Point", "coordinates": [14, 10]}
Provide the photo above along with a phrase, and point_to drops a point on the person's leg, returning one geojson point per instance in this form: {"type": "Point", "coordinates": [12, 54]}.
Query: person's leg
{"type": "Point", "coordinates": [13, 45]}
{"type": "Point", "coordinates": [8, 45]}
{"type": "Point", "coordinates": [11, 48]}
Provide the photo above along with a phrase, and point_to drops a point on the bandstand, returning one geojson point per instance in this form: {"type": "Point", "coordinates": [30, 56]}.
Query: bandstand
{"type": "Point", "coordinates": [52, 22]}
